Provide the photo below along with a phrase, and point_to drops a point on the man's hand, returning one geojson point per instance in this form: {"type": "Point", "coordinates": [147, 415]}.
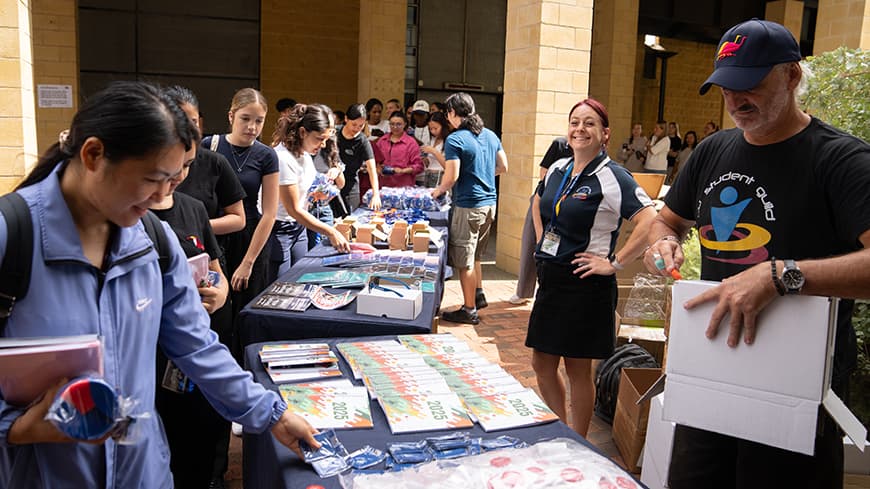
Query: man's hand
{"type": "Point", "coordinates": [663, 256]}
{"type": "Point", "coordinates": [213, 298]}
{"type": "Point", "coordinates": [290, 429]}
{"type": "Point", "coordinates": [743, 296]}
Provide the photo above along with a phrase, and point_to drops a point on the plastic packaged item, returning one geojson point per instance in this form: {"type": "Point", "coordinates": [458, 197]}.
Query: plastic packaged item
{"type": "Point", "coordinates": [88, 408]}
{"type": "Point", "coordinates": [366, 457]}
{"type": "Point", "coordinates": [330, 466]}
{"type": "Point", "coordinates": [410, 452]}
{"type": "Point", "coordinates": [330, 446]}
{"type": "Point", "coordinates": [647, 301]}
{"type": "Point", "coordinates": [503, 441]}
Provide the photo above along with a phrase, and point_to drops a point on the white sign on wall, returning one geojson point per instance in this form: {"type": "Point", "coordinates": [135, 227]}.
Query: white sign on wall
{"type": "Point", "coordinates": [54, 96]}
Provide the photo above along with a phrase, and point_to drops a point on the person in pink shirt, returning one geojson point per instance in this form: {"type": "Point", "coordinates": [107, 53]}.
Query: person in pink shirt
{"type": "Point", "coordinates": [397, 155]}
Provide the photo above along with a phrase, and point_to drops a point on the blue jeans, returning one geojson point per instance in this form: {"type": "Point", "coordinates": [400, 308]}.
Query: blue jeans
{"type": "Point", "coordinates": [289, 245]}
{"type": "Point", "coordinates": [323, 213]}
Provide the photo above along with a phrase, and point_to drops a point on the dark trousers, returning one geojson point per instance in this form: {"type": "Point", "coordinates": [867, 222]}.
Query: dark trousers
{"type": "Point", "coordinates": [702, 459]}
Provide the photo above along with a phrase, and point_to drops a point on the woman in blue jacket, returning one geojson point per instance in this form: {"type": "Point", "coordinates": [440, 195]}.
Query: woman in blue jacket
{"type": "Point", "coordinates": [95, 271]}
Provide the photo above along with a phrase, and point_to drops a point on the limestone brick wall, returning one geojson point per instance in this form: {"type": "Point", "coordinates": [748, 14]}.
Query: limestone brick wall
{"type": "Point", "coordinates": [842, 23]}
{"type": "Point", "coordinates": [309, 52]}
{"type": "Point", "coordinates": [789, 13]}
{"type": "Point", "coordinates": [381, 47]}
{"type": "Point", "coordinates": [17, 119]}
{"type": "Point", "coordinates": [686, 72]}
{"type": "Point", "coordinates": [55, 62]}
{"type": "Point", "coordinates": [547, 58]}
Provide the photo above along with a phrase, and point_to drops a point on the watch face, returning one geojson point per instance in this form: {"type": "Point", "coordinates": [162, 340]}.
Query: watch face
{"type": "Point", "coordinates": [793, 279]}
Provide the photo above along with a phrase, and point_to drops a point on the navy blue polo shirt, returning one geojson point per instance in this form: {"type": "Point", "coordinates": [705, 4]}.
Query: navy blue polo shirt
{"type": "Point", "coordinates": [593, 208]}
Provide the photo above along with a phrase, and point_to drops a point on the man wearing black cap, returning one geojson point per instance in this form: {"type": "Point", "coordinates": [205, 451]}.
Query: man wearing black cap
{"type": "Point", "coordinates": [782, 206]}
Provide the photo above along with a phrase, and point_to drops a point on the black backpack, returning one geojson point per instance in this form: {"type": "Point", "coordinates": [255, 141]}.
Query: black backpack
{"type": "Point", "coordinates": [609, 371]}
{"type": "Point", "coordinates": [18, 260]}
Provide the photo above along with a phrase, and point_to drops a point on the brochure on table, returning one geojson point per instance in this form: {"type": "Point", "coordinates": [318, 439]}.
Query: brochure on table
{"type": "Point", "coordinates": [768, 392]}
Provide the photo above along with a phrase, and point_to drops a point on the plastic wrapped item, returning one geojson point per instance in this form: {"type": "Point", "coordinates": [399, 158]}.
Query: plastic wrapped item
{"type": "Point", "coordinates": [647, 302]}
{"type": "Point", "coordinates": [503, 441]}
{"type": "Point", "coordinates": [408, 198]}
{"type": "Point", "coordinates": [410, 452]}
{"type": "Point", "coordinates": [555, 463]}
{"type": "Point", "coordinates": [328, 460]}
{"type": "Point", "coordinates": [88, 408]}
{"type": "Point", "coordinates": [366, 457]}
{"type": "Point", "coordinates": [322, 189]}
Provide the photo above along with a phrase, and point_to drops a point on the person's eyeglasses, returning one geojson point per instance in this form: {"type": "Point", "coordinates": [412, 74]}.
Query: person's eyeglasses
{"type": "Point", "coordinates": [397, 124]}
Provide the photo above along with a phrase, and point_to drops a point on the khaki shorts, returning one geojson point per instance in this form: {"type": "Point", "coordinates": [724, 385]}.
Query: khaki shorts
{"type": "Point", "coordinates": [469, 232]}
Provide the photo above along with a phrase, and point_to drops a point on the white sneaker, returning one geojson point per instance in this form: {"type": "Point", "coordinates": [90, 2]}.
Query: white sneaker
{"type": "Point", "coordinates": [517, 300]}
{"type": "Point", "coordinates": [237, 429]}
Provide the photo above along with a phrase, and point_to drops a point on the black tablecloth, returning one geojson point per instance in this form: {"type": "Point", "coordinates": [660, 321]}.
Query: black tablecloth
{"type": "Point", "coordinates": [268, 464]}
{"type": "Point", "coordinates": [258, 325]}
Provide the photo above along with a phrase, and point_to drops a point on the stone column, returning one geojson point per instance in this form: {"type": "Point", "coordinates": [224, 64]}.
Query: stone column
{"type": "Point", "coordinates": [547, 58]}
{"type": "Point", "coordinates": [842, 23]}
{"type": "Point", "coordinates": [789, 13]}
{"type": "Point", "coordinates": [614, 53]}
{"type": "Point", "coordinates": [17, 120]}
{"type": "Point", "coordinates": [382, 49]}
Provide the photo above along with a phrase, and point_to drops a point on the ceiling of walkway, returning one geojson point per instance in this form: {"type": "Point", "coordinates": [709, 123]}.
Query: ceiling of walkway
{"type": "Point", "coordinates": [707, 20]}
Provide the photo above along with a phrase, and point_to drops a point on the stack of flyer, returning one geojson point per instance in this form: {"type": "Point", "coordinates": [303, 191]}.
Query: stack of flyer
{"type": "Point", "coordinates": [330, 404]}
{"type": "Point", "coordinates": [493, 397]}
{"type": "Point", "coordinates": [433, 382]}
{"type": "Point", "coordinates": [296, 362]}
{"type": "Point", "coordinates": [289, 296]}
{"type": "Point", "coordinates": [414, 396]}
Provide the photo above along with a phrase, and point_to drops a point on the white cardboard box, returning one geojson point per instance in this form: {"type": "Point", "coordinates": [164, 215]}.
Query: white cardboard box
{"type": "Point", "coordinates": [384, 303]}
{"type": "Point", "coordinates": [768, 392]}
{"type": "Point", "coordinates": [658, 446]}
{"type": "Point", "coordinates": [855, 461]}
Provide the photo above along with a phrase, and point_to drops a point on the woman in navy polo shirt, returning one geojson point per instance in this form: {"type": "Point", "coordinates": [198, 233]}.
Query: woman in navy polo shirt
{"type": "Point", "coordinates": [577, 212]}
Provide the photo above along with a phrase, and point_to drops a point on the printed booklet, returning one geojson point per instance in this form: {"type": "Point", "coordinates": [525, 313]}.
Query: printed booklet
{"type": "Point", "coordinates": [329, 405]}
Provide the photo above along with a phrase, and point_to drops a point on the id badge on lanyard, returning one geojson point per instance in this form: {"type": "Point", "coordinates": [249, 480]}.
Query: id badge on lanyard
{"type": "Point", "coordinates": [550, 244]}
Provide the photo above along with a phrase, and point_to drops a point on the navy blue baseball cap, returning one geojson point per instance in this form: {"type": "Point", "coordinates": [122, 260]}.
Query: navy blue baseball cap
{"type": "Point", "coordinates": [747, 53]}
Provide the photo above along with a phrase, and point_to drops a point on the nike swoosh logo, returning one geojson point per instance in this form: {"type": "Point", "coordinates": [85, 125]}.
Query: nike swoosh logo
{"type": "Point", "coordinates": [142, 304]}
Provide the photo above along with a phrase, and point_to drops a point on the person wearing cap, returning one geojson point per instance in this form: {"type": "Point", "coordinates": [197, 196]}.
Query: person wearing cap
{"type": "Point", "coordinates": [781, 206]}
{"type": "Point", "coordinates": [420, 120]}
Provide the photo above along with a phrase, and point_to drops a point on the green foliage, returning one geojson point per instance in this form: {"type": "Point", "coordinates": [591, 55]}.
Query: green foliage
{"type": "Point", "coordinates": [691, 268]}
{"type": "Point", "coordinates": [838, 88]}
{"type": "Point", "coordinates": [860, 382]}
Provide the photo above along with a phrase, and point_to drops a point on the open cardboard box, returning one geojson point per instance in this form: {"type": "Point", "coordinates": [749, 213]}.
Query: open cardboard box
{"type": "Point", "coordinates": [768, 392]}
{"type": "Point", "coordinates": [630, 419]}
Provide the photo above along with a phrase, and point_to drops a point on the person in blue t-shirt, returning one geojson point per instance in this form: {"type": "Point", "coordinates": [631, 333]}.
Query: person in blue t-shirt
{"type": "Point", "coordinates": [474, 157]}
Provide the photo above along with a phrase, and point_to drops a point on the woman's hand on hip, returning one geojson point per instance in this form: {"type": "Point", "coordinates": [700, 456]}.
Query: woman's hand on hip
{"type": "Point", "coordinates": [589, 264]}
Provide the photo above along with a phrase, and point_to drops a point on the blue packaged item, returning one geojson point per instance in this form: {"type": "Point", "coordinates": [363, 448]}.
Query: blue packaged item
{"type": "Point", "coordinates": [86, 408]}
{"type": "Point", "coordinates": [366, 457]}
{"type": "Point", "coordinates": [449, 442]}
{"type": "Point", "coordinates": [330, 446]}
{"type": "Point", "coordinates": [330, 466]}
{"type": "Point", "coordinates": [410, 452]}
{"type": "Point", "coordinates": [214, 278]}
{"type": "Point", "coordinates": [394, 466]}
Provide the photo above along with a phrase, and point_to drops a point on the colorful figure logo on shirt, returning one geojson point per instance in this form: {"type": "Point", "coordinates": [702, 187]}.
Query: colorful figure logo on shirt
{"type": "Point", "coordinates": [719, 236]}
{"type": "Point", "coordinates": [729, 48]}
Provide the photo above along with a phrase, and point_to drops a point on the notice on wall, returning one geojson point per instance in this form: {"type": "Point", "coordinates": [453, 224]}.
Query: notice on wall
{"type": "Point", "coordinates": [54, 96]}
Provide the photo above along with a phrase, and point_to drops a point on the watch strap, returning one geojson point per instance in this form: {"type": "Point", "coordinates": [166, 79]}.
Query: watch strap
{"type": "Point", "coordinates": [777, 283]}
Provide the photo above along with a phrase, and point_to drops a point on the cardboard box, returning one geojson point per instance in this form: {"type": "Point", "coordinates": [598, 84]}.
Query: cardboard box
{"type": "Point", "coordinates": [855, 461]}
{"type": "Point", "coordinates": [658, 447]}
{"type": "Point", "coordinates": [421, 242]}
{"type": "Point", "coordinates": [652, 339]}
{"type": "Point", "coordinates": [630, 420]}
{"type": "Point", "coordinates": [399, 236]}
{"type": "Point", "coordinates": [395, 303]}
{"type": "Point", "coordinates": [344, 229]}
{"type": "Point", "coordinates": [364, 233]}
{"type": "Point", "coordinates": [768, 392]}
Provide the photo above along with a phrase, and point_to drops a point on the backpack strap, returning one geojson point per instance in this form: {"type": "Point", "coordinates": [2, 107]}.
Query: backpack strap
{"type": "Point", "coordinates": [215, 140]}
{"type": "Point", "coordinates": [155, 231]}
{"type": "Point", "coordinates": [18, 259]}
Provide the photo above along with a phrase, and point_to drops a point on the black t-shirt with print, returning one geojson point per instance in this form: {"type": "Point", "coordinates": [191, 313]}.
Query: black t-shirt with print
{"type": "Point", "coordinates": [558, 149]}
{"type": "Point", "coordinates": [213, 182]}
{"type": "Point", "coordinates": [187, 217]}
{"type": "Point", "coordinates": [353, 153]}
{"type": "Point", "coordinates": [806, 197]}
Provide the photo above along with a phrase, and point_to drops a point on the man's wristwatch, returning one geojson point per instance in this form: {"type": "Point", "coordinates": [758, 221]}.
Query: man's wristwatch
{"type": "Point", "coordinates": [792, 277]}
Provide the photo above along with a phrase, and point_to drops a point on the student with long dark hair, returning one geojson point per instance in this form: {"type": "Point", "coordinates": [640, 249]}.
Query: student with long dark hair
{"type": "Point", "coordinates": [356, 153]}
{"type": "Point", "coordinates": [95, 271]}
{"type": "Point", "coordinates": [305, 130]}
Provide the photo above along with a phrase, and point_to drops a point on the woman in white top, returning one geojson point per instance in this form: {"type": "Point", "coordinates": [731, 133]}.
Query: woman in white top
{"type": "Point", "coordinates": [657, 153]}
{"type": "Point", "coordinates": [439, 128]}
{"type": "Point", "coordinates": [302, 132]}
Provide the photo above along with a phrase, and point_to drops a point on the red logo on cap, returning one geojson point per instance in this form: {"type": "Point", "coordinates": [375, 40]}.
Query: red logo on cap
{"type": "Point", "coordinates": [729, 48]}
